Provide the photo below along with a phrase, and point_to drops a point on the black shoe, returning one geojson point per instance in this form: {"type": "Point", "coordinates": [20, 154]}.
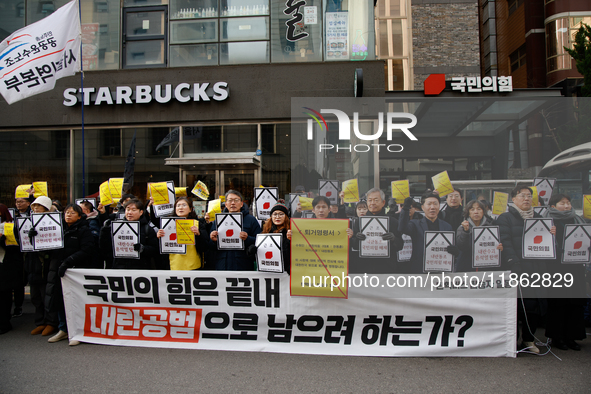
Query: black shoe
{"type": "Point", "coordinates": [559, 344]}
{"type": "Point", "coordinates": [5, 330]}
{"type": "Point", "coordinates": [573, 345]}
{"type": "Point", "coordinates": [17, 312]}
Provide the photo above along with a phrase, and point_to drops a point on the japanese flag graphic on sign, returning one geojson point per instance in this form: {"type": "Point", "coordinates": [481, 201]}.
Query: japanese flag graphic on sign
{"type": "Point", "coordinates": [269, 256]}
{"type": "Point", "coordinates": [538, 242]}
{"type": "Point", "coordinates": [34, 57]}
{"type": "Point", "coordinates": [265, 198]}
{"type": "Point", "coordinates": [229, 226]}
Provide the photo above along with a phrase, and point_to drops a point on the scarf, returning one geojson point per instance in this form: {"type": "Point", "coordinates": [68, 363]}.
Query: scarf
{"type": "Point", "coordinates": [525, 214]}
{"type": "Point", "coordinates": [483, 222]}
{"type": "Point", "coordinates": [564, 216]}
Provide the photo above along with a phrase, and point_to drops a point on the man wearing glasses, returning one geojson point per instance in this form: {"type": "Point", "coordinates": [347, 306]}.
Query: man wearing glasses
{"type": "Point", "coordinates": [235, 260]}
{"type": "Point", "coordinates": [511, 224]}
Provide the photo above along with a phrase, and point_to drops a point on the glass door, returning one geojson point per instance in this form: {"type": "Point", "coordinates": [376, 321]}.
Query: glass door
{"type": "Point", "coordinates": [242, 181]}
{"type": "Point", "coordinates": [145, 35]}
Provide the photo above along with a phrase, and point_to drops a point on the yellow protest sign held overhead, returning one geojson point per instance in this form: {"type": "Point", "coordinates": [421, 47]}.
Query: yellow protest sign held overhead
{"type": "Point", "coordinates": [442, 183]}
{"type": "Point", "coordinates": [587, 206]}
{"type": "Point", "coordinates": [40, 189]}
{"type": "Point", "coordinates": [351, 190]}
{"type": "Point", "coordinates": [9, 234]}
{"type": "Point", "coordinates": [160, 193]}
{"type": "Point", "coordinates": [201, 191]}
{"type": "Point", "coordinates": [306, 203]}
{"type": "Point", "coordinates": [184, 235]}
{"type": "Point", "coordinates": [116, 188]}
{"type": "Point", "coordinates": [213, 207]}
{"type": "Point", "coordinates": [534, 201]}
{"type": "Point", "coordinates": [400, 190]}
{"type": "Point", "coordinates": [21, 191]}
{"type": "Point", "coordinates": [500, 201]}
{"type": "Point", "coordinates": [180, 191]}
{"type": "Point", "coordinates": [223, 198]}
{"type": "Point", "coordinates": [319, 257]}
{"type": "Point", "coordinates": [105, 194]}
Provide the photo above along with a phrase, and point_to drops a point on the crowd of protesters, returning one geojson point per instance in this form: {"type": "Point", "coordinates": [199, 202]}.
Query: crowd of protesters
{"type": "Point", "coordinates": [88, 244]}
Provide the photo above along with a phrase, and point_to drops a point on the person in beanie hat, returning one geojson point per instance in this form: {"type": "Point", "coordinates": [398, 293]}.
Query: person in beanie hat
{"type": "Point", "coordinates": [43, 201]}
{"type": "Point", "coordinates": [278, 223]}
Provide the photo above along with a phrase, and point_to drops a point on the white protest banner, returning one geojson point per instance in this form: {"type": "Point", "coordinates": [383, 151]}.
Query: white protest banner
{"type": "Point", "coordinates": [294, 199]}
{"type": "Point", "coordinates": [253, 311]}
{"type": "Point", "coordinates": [373, 227]}
{"type": "Point", "coordinates": [577, 239]}
{"type": "Point", "coordinates": [168, 243]}
{"type": "Point", "coordinates": [545, 186]}
{"type": "Point", "coordinates": [24, 224]}
{"type": "Point", "coordinates": [168, 208]}
{"type": "Point", "coordinates": [436, 257]}
{"type": "Point", "coordinates": [229, 226]}
{"type": "Point", "coordinates": [34, 57]}
{"type": "Point", "coordinates": [485, 241]}
{"type": "Point", "coordinates": [538, 242]}
{"type": "Point", "coordinates": [329, 189]}
{"type": "Point", "coordinates": [269, 256]}
{"type": "Point", "coordinates": [91, 200]}
{"type": "Point", "coordinates": [406, 253]}
{"type": "Point", "coordinates": [265, 198]}
{"type": "Point", "coordinates": [124, 235]}
{"type": "Point", "coordinates": [50, 231]}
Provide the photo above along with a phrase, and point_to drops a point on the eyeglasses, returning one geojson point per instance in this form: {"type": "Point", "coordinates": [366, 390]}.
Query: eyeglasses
{"type": "Point", "coordinates": [524, 196]}
{"type": "Point", "coordinates": [278, 214]}
{"type": "Point", "coordinates": [233, 200]}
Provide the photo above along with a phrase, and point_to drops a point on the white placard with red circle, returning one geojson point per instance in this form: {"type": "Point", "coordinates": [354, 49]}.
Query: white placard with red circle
{"type": "Point", "coordinates": [229, 226]}
{"type": "Point", "coordinates": [269, 256]}
{"type": "Point", "coordinates": [168, 243]}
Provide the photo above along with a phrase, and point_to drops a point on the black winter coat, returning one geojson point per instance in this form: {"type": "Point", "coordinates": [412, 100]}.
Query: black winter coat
{"type": "Point", "coordinates": [147, 238]}
{"type": "Point", "coordinates": [11, 266]}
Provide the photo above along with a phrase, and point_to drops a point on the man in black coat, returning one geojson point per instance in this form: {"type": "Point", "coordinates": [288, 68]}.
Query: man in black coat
{"type": "Point", "coordinates": [453, 214]}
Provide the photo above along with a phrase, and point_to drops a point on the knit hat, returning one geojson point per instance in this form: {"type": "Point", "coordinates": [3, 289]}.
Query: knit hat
{"type": "Point", "coordinates": [43, 200]}
{"type": "Point", "coordinates": [280, 207]}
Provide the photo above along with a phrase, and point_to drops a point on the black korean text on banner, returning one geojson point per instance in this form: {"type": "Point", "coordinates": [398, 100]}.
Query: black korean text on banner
{"type": "Point", "coordinates": [329, 189]}
{"type": "Point", "coordinates": [436, 257]}
{"type": "Point", "coordinates": [541, 210]}
{"type": "Point", "coordinates": [50, 231]}
{"type": "Point", "coordinates": [485, 241]}
{"type": "Point", "coordinates": [577, 239]}
{"type": "Point", "coordinates": [406, 253]}
{"type": "Point", "coordinates": [91, 200]}
{"type": "Point", "coordinates": [168, 243]}
{"type": "Point", "coordinates": [166, 209]}
{"type": "Point", "coordinates": [538, 242]}
{"type": "Point", "coordinates": [24, 224]}
{"type": "Point", "coordinates": [265, 198]}
{"type": "Point", "coordinates": [373, 227]}
{"type": "Point", "coordinates": [545, 187]}
{"type": "Point", "coordinates": [229, 226]}
{"type": "Point", "coordinates": [252, 311]}
{"type": "Point", "coordinates": [125, 234]}
{"type": "Point", "coordinates": [294, 199]}
{"type": "Point", "coordinates": [269, 256]}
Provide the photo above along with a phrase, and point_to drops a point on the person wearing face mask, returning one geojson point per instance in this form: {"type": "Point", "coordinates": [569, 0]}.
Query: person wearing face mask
{"type": "Point", "coordinates": [278, 223]}
{"type": "Point", "coordinates": [474, 216]}
{"type": "Point", "coordinates": [416, 229]}
{"type": "Point", "coordinates": [147, 245]}
{"type": "Point", "coordinates": [193, 258]}
{"type": "Point", "coordinates": [454, 211]}
{"type": "Point", "coordinates": [529, 310]}
{"type": "Point", "coordinates": [565, 318]}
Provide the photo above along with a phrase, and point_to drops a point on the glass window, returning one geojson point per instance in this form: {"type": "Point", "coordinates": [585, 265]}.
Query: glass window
{"type": "Point", "coordinates": [60, 141]}
{"type": "Point", "coordinates": [100, 35]}
{"type": "Point", "coordinates": [349, 31]}
{"type": "Point", "coordinates": [244, 7]}
{"type": "Point", "coordinates": [144, 24]}
{"type": "Point", "coordinates": [390, 38]}
{"type": "Point", "coordinates": [193, 31]}
{"type": "Point", "coordinates": [240, 138]}
{"type": "Point", "coordinates": [145, 39]}
{"type": "Point", "coordinates": [202, 139]}
{"type": "Point", "coordinates": [110, 143]}
{"type": "Point", "coordinates": [12, 17]}
{"type": "Point", "coordinates": [159, 147]}
{"type": "Point", "coordinates": [145, 52]}
{"type": "Point", "coordinates": [194, 55]}
{"type": "Point", "coordinates": [140, 3]}
{"type": "Point", "coordinates": [39, 9]}
{"type": "Point", "coordinates": [268, 138]}
{"type": "Point", "coordinates": [297, 35]}
{"type": "Point", "coordinates": [244, 52]}
{"type": "Point", "coordinates": [244, 29]}
{"type": "Point", "coordinates": [182, 9]}
{"type": "Point", "coordinates": [390, 8]}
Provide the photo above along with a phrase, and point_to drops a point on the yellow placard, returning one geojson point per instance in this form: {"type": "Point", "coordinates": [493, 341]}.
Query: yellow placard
{"type": "Point", "coordinates": [180, 191]}
{"type": "Point", "coordinates": [500, 201]}
{"type": "Point", "coordinates": [149, 192]}
{"type": "Point", "coordinates": [160, 193]}
{"type": "Point", "coordinates": [213, 207]}
{"type": "Point", "coordinates": [534, 201]}
{"type": "Point", "coordinates": [442, 183]}
{"type": "Point", "coordinates": [21, 191]}
{"type": "Point", "coordinates": [400, 190]}
{"type": "Point", "coordinates": [587, 206]}
{"type": "Point", "coordinates": [9, 234]}
{"type": "Point", "coordinates": [351, 190]}
{"type": "Point", "coordinates": [105, 194]}
{"type": "Point", "coordinates": [201, 191]}
{"type": "Point", "coordinates": [116, 188]}
{"type": "Point", "coordinates": [184, 235]}
{"type": "Point", "coordinates": [306, 203]}
{"type": "Point", "coordinates": [40, 189]}
{"type": "Point", "coordinates": [223, 198]}
{"type": "Point", "coordinates": [319, 256]}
